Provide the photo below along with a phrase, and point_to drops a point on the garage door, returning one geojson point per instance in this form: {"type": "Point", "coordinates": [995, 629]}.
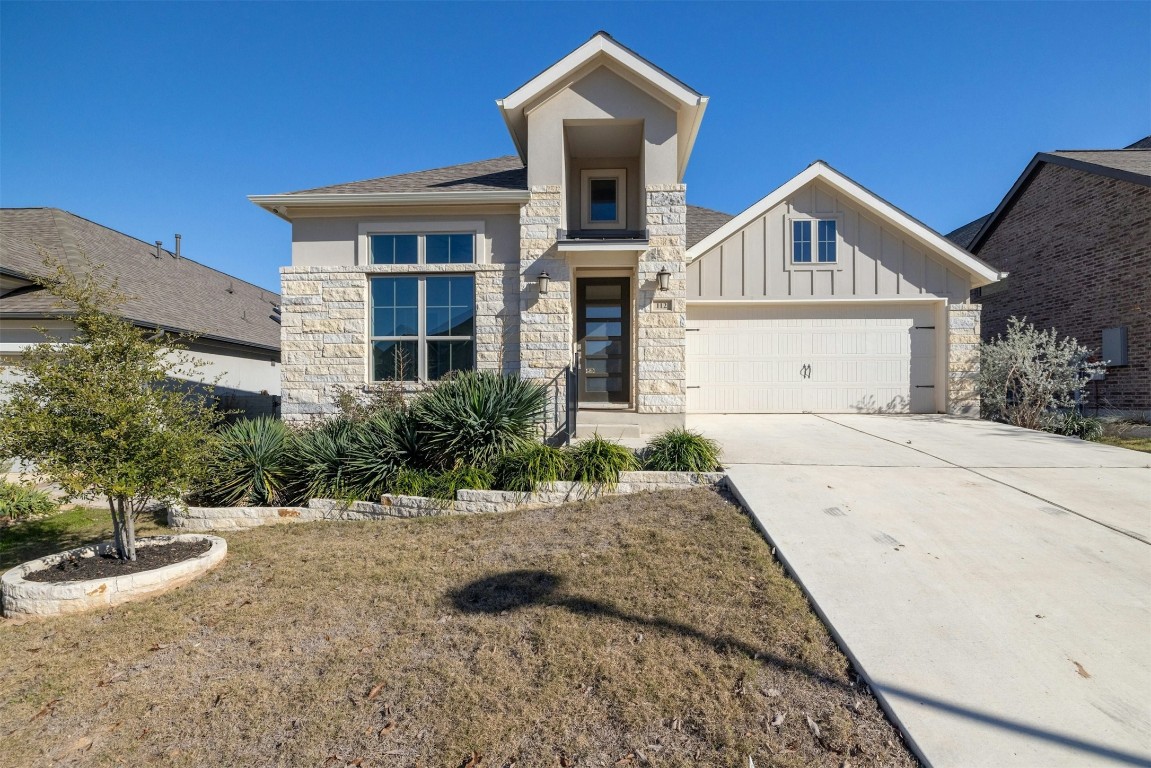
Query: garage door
{"type": "Point", "coordinates": [821, 358]}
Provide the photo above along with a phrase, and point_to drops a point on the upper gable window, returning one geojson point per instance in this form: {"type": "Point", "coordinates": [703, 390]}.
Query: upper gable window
{"type": "Point", "coordinates": [437, 248]}
{"type": "Point", "coordinates": [603, 196]}
{"type": "Point", "coordinates": [813, 237]}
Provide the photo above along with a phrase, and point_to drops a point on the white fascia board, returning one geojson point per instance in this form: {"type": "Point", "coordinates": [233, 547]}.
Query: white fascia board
{"type": "Point", "coordinates": [980, 272]}
{"type": "Point", "coordinates": [688, 144]}
{"type": "Point", "coordinates": [278, 203]}
{"type": "Point", "coordinates": [823, 300]}
{"type": "Point", "coordinates": [593, 246]}
{"type": "Point", "coordinates": [581, 56]}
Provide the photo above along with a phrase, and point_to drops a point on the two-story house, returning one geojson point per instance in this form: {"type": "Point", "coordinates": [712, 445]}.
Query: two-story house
{"type": "Point", "coordinates": [578, 260]}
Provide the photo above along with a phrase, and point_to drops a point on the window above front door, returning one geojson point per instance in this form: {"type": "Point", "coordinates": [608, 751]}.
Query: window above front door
{"type": "Point", "coordinates": [603, 195]}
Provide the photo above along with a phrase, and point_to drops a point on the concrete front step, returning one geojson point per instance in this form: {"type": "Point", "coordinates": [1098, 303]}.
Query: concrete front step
{"type": "Point", "coordinates": [608, 431]}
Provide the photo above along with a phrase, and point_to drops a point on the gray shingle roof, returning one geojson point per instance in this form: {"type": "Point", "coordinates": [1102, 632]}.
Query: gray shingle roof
{"type": "Point", "coordinates": [166, 292]}
{"type": "Point", "coordinates": [506, 172]}
{"type": "Point", "coordinates": [1132, 160]}
{"type": "Point", "coordinates": [965, 234]}
{"type": "Point", "coordinates": [1143, 143]}
{"type": "Point", "coordinates": [701, 222]}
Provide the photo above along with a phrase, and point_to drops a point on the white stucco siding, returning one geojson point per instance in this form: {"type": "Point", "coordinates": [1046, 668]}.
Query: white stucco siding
{"type": "Point", "coordinates": [335, 241]}
{"type": "Point", "coordinates": [874, 259]}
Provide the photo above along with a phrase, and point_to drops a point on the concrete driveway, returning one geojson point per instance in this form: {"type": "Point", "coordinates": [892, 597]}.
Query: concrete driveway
{"type": "Point", "coordinates": [992, 584]}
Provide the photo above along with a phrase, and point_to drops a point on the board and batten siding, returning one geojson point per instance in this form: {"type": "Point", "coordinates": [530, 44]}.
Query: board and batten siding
{"type": "Point", "coordinates": [874, 260]}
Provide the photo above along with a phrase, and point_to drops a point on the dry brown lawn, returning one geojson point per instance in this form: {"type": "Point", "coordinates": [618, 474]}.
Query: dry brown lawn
{"type": "Point", "coordinates": [643, 630]}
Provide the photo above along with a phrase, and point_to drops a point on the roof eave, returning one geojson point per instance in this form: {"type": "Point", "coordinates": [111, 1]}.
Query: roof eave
{"type": "Point", "coordinates": [281, 205]}
{"type": "Point", "coordinates": [64, 314]}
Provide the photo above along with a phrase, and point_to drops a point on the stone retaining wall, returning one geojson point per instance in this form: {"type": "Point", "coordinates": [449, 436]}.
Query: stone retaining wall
{"type": "Point", "coordinates": [467, 502]}
{"type": "Point", "coordinates": [55, 598]}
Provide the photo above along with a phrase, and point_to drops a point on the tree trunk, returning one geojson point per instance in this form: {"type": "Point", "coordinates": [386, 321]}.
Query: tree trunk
{"type": "Point", "coordinates": [117, 528]}
{"type": "Point", "coordinates": [129, 522]}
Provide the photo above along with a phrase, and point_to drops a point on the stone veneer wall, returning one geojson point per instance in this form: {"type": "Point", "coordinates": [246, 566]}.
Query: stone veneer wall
{"type": "Point", "coordinates": [545, 338]}
{"type": "Point", "coordinates": [661, 339]}
{"type": "Point", "coordinates": [962, 359]}
{"type": "Point", "coordinates": [324, 328]}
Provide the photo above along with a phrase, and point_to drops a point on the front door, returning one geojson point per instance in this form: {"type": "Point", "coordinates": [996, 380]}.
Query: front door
{"type": "Point", "coordinates": [603, 330]}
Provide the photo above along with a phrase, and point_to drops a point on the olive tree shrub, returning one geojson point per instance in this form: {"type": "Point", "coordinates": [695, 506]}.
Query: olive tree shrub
{"type": "Point", "coordinates": [1026, 376]}
{"type": "Point", "coordinates": [100, 416]}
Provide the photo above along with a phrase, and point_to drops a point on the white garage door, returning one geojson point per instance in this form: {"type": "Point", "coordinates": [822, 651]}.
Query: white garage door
{"type": "Point", "coordinates": [829, 358]}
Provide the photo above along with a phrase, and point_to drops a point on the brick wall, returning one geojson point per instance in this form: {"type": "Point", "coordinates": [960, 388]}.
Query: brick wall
{"type": "Point", "coordinates": [1078, 249]}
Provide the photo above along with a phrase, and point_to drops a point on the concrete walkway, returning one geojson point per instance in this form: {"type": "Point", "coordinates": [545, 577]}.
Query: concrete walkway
{"type": "Point", "coordinates": [992, 584]}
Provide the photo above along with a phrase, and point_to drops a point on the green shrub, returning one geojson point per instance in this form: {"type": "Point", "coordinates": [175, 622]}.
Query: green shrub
{"type": "Point", "coordinates": [680, 450]}
{"type": "Point", "coordinates": [598, 460]}
{"type": "Point", "coordinates": [1074, 424]}
{"type": "Point", "coordinates": [526, 469]}
{"type": "Point", "coordinates": [373, 458]}
{"type": "Point", "coordinates": [250, 466]}
{"type": "Point", "coordinates": [318, 459]}
{"type": "Point", "coordinates": [445, 484]}
{"type": "Point", "coordinates": [412, 482]}
{"type": "Point", "coordinates": [19, 501]}
{"type": "Point", "coordinates": [474, 417]}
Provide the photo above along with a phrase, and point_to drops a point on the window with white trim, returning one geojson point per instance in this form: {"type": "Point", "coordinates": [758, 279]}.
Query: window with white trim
{"type": "Point", "coordinates": [603, 196]}
{"type": "Point", "coordinates": [423, 326]}
{"type": "Point", "coordinates": [814, 237]}
{"type": "Point", "coordinates": [428, 248]}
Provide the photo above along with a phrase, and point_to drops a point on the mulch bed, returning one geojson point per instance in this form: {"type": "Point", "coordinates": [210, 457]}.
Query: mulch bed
{"type": "Point", "coordinates": [105, 566]}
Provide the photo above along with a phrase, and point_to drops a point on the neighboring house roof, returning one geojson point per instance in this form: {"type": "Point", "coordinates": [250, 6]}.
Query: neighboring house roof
{"type": "Point", "coordinates": [965, 234]}
{"type": "Point", "coordinates": [165, 292]}
{"type": "Point", "coordinates": [981, 272]}
{"type": "Point", "coordinates": [505, 173]}
{"type": "Point", "coordinates": [1130, 165]}
{"type": "Point", "coordinates": [603, 48]}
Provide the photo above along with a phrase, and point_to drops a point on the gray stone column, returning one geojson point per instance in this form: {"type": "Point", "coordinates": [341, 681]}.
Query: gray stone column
{"type": "Point", "coordinates": [661, 345]}
{"type": "Point", "coordinates": [962, 359]}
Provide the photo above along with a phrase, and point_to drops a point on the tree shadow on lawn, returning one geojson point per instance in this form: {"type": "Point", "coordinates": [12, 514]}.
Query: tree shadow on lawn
{"type": "Point", "coordinates": [26, 540]}
{"type": "Point", "coordinates": [505, 592]}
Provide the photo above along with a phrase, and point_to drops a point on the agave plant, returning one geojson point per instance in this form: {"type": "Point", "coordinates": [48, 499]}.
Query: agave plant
{"type": "Point", "coordinates": [250, 465]}
{"type": "Point", "coordinates": [681, 450]}
{"type": "Point", "coordinates": [531, 467]}
{"type": "Point", "coordinates": [318, 459]}
{"type": "Point", "coordinates": [475, 417]}
{"type": "Point", "coordinates": [598, 460]}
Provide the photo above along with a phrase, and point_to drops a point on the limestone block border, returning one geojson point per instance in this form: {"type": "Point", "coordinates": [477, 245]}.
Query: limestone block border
{"type": "Point", "coordinates": [467, 502]}
{"type": "Point", "coordinates": [45, 598]}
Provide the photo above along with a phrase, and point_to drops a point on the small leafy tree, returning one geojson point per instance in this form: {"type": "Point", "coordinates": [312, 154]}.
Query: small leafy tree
{"type": "Point", "coordinates": [1027, 374]}
{"type": "Point", "coordinates": [101, 416]}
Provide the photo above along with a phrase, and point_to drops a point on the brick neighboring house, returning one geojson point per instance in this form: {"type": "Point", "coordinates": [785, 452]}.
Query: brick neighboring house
{"type": "Point", "coordinates": [1074, 236]}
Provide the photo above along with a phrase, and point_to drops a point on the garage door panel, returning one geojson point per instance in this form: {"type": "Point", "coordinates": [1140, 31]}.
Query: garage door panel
{"type": "Point", "coordinates": [822, 358]}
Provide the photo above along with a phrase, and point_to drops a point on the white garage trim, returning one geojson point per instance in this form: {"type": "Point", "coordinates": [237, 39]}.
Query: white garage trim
{"type": "Point", "coordinates": [817, 356]}
{"type": "Point", "coordinates": [819, 300]}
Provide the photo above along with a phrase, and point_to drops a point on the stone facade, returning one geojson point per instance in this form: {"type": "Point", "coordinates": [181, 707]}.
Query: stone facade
{"type": "Point", "coordinates": [324, 319]}
{"type": "Point", "coordinates": [1077, 247]}
{"type": "Point", "coordinates": [545, 322]}
{"type": "Point", "coordinates": [962, 359]}
{"type": "Point", "coordinates": [661, 338]}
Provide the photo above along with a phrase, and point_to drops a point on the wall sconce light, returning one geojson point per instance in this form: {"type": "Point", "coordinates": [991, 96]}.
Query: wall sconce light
{"type": "Point", "coordinates": [664, 277]}
{"type": "Point", "coordinates": [543, 280]}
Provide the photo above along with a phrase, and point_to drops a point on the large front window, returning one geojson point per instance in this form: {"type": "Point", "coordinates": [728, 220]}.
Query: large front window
{"type": "Point", "coordinates": [423, 327]}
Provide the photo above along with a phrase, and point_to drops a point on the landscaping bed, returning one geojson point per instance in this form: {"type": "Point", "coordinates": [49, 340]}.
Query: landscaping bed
{"type": "Point", "coordinates": [651, 629]}
{"type": "Point", "coordinates": [108, 564]}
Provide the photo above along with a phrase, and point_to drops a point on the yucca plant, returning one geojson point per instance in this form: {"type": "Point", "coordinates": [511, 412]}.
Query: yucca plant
{"type": "Point", "coordinates": [250, 466]}
{"type": "Point", "coordinates": [528, 468]}
{"type": "Point", "coordinates": [19, 501]}
{"type": "Point", "coordinates": [475, 417]}
{"type": "Point", "coordinates": [599, 461]}
{"type": "Point", "coordinates": [681, 450]}
{"type": "Point", "coordinates": [373, 459]}
{"type": "Point", "coordinates": [318, 458]}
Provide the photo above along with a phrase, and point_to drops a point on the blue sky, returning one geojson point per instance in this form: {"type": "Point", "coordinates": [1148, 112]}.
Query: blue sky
{"type": "Point", "coordinates": [156, 118]}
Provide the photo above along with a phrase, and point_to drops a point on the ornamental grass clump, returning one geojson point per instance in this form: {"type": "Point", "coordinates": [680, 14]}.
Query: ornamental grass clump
{"type": "Point", "coordinates": [681, 450]}
{"type": "Point", "coordinates": [598, 461]}
{"type": "Point", "coordinates": [19, 501]}
{"type": "Point", "coordinates": [534, 466]}
{"type": "Point", "coordinates": [1074, 424]}
{"type": "Point", "coordinates": [250, 466]}
{"type": "Point", "coordinates": [474, 417]}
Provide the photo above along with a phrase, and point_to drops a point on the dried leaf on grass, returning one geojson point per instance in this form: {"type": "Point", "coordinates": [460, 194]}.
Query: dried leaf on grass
{"type": "Point", "coordinates": [376, 690]}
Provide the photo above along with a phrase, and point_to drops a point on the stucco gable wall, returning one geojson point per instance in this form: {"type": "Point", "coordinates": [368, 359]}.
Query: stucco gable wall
{"type": "Point", "coordinates": [875, 259]}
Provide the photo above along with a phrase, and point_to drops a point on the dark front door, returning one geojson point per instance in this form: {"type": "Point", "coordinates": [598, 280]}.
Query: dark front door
{"type": "Point", "coordinates": [603, 329]}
